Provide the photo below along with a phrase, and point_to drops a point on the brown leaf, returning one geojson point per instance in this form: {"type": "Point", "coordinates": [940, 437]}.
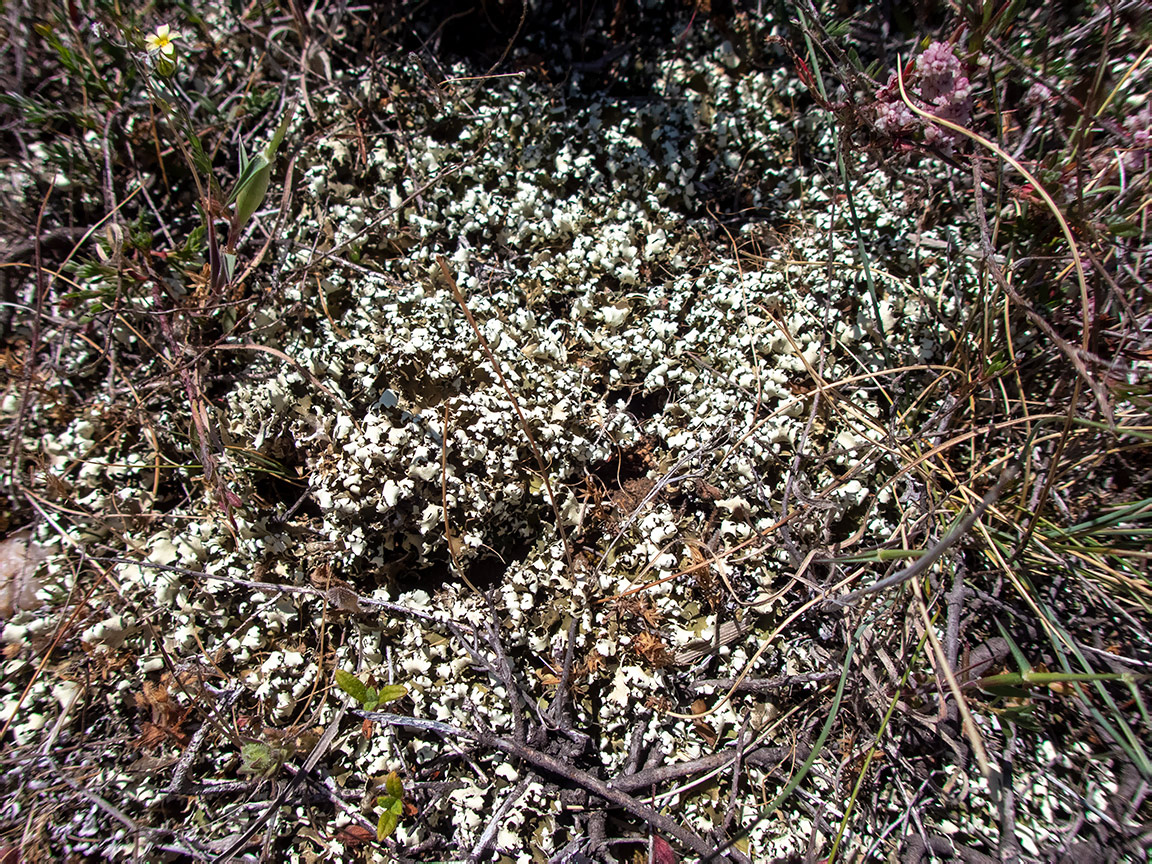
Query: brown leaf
{"type": "Point", "coordinates": [662, 853]}
{"type": "Point", "coordinates": [355, 835]}
{"type": "Point", "coordinates": [167, 717]}
{"type": "Point", "coordinates": [151, 735]}
{"type": "Point", "coordinates": [344, 598]}
{"type": "Point", "coordinates": [705, 730]}
{"type": "Point", "coordinates": [19, 560]}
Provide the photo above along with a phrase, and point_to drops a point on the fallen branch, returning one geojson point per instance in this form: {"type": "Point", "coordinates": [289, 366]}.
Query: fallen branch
{"type": "Point", "coordinates": [543, 762]}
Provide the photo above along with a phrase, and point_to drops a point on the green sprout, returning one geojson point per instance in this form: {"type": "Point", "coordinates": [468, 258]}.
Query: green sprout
{"type": "Point", "coordinates": [252, 187]}
{"type": "Point", "coordinates": [392, 804]}
{"type": "Point", "coordinates": [368, 697]}
{"type": "Point", "coordinates": [262, 760]}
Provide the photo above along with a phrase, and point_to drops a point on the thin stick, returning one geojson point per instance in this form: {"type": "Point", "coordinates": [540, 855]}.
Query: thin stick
{"type": "Point", "coordinates": [448, 538]}
{"type": "Point", "coordinates": [971, 730]}
{"type": "Point", "coordinates": [924, 562]}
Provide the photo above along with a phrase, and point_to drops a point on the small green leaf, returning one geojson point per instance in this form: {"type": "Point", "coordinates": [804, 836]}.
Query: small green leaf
{"type": "Point", "coordinates": [352, 685]}
{"type": "Point", "coordinates": [243, 159]}
{"type": "Point", "coordinates": [255, 172]}
{"type": "Point", "coordinates": [1022, 662]}
{"type": "Point", "coordinates": [393, 785]}
{"type": "Point", "coordinates": [393, 808]}
{"type": "Point", "coordinates": [386, 825]}
{"type": "Point", "coordinates": [1003, 691]}
{"type": "Point", "coordinates": [194, 244]}
{"type": "Point", "coordinates": [256, 758]}
{"type": "Point", "coordinates": [839, 28]}
{"type": "Point", "coordinates": [1121, 227]}
{"type": "Point", "coordinates": [251, 189]}
{"type": "Point", "coordinates": [390, 693]}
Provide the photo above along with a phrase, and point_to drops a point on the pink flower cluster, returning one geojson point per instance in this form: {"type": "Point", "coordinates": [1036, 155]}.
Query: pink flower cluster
{"type": "Point", "coordinates": [938, 83]}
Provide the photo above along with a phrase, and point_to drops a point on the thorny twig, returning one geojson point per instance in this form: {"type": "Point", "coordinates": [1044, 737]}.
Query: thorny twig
{"type": "Point", "coordinates": [772, 758]}
{"type": "Point", "coordinates": [737, 773]}
{"type": "Point", "coordinates": [179, 781]}
{"type": "Point", "coordinates": [340, 595]}
{"type": "Point", "coordinates": [760, 685]}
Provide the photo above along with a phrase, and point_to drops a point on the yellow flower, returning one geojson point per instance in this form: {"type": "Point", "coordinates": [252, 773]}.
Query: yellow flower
{"type": "Point", "coordinates": [161, 41]}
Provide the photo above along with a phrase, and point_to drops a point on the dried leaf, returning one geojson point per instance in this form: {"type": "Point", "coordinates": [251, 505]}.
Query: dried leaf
{"type": "Point", "coordinates": [167, 717]}
{"type": "Point", "coordinates": [653, 650]}
{"type": "Point", "coordinates": [662, 853]}
{"type": "Point", "coordinates": [19, 559]}
{"type": "Point", "coordinates": [704, 729]}
{"type": "Point", "coordinates": [344, 599]}
{"type": "Point", "coordinates": [355, 835]}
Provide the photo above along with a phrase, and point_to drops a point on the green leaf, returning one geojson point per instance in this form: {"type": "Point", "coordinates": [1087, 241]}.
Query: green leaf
{"type": "Point", "coordinates": [393, 785]}
{"type": "Point", "coordinates": [191, 254]}
{"type": "Point", "coordinates": [243, 159]}
{"type": "Point", "coordinates": [390, 693]}
{"type": "Point", "coordinates": [200, 159]}
{"type": "Point", "coordinates": [839, 28]}
{"type": "Point", "coordinates": [256, 758]}
{"type": "Point", "coordinates": [1002, 690]}
{"type": "Point", "coordinates": [1022, 662]}
{"type": "Point", "coordinates": [352, 685]}
{"type": "Point", "coordinates": [278, 135]}
{"type": "Point", "coordinates": [1021, 715]}
{"type": "Point", "coordinates": [1121, 227]}
{"type": "Point", "coordinates": [393, 808]}
{"type": "Point", "coordinates": [255, 172]}
{"type": "Point", "coordinates": [194, 245]}
{"type": "Point", "coordinates": [386, 825]}
{"type": "Point", "coordinates": [67, 58]}
{"type": "Point", "coordinates": [251, 189]}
